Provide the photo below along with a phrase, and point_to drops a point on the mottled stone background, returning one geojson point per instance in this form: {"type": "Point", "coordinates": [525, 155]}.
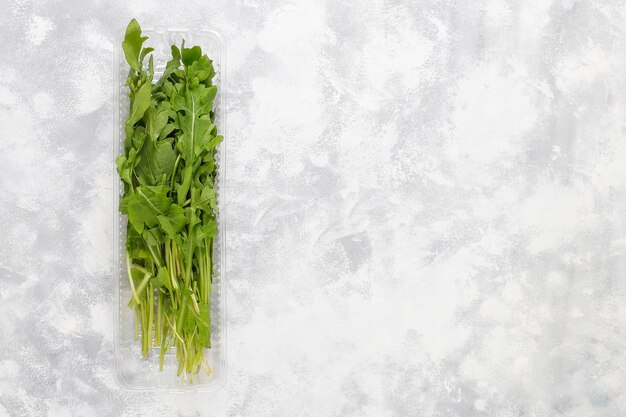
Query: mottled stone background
{"type": "Point", "coordinates": [426, 208]}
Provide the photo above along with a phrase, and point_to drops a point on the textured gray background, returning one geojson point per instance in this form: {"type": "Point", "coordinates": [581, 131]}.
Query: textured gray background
{"type": "Point", "coordinates": [426, 208]}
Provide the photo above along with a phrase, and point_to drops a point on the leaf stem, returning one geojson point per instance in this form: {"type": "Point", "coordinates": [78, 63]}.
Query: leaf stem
{"type": "Point", "coordinates": [130, 279]}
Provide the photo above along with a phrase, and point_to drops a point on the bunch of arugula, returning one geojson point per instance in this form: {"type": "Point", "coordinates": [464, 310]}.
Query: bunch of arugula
{"type": "Point", "coordinates": [168, 171]}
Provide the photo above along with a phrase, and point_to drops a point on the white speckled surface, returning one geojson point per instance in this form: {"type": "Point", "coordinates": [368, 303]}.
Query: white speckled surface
{"type": "Point", "coordinates": [425, 208]}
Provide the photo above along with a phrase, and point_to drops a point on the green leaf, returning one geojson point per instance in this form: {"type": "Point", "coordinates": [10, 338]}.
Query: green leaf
{"type": "Point", "coordinates": [153, 236]}
{"type": "Point", "coordinates": [129, 131]}
{"type": "Point", "coordinates": [189, 323]}
{"type": "Point", "coordinates": [169, 128]}
{"type": "Point", "coordinates": [140, 103]}
{"type": "Point", "coordinates": [194, 105]}
{"type": "Point", "coordinates": [191, 54]}
{"type": "Point", "coordinates": [146, 204]}
{"type": "Point", "coordinates": [138, 139]}
{"type": "Point", "coordinates": [183, 188]}
{"type": "Point", "coordinates": [202, 69]}
{"type": "Point", "coordinates": [203, 321]}
{"type": "Point", "coordinates": [206, 201]}
{"type": "Point", "coordinates": [207, 230]}
{"type": "Point", "coordinates": [132, 44]}
{"type": "Point", "coordinates": [192, 216]}
{"type": "Point", "coordinates": [157, 118]}
{"type": "Point", "coordinates": [173, 222]}
{"type": "Point", "coordinates": [124, 203]}
{"type": "Point", "coordinates": [162, 278]}
{"type": "Point", "coordinates": [216, 140]}
{"type": "Point", "coordinates": [175, 61]}
{"type": "Point", "coordinates": [151, 68]}
{"type": "Point", "coordinates": [177, 99]}
{"type": "Point", "coordinates": [157, 160]}
{"type": "Point", "coordinates": [203, 135]}
{"type": "Point", "coordinates": [144, 52]}
{"type": "Point", "coordinates": [171, 67]}
{"type": "Point", "coordinates": [125, 166]}
{"type": "Point", "coordinates": [120, 161]}
{"type": "Point", "coordinates": [135, 245]}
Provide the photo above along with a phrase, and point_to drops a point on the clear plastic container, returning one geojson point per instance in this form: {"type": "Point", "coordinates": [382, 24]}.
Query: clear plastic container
{"type": "Point", "coordinates": [133, 372]}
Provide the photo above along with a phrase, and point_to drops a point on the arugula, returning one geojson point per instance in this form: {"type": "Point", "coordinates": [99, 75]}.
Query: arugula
{"type": "Point", "coordinates": [168, 172]}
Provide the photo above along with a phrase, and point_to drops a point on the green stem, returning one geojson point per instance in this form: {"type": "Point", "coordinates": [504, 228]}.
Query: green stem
{"type": "Point", "coordinates": [195, 304]}
{"type": "Point", "coordinates": [150, 297]}
{"type": "Point", "coordinates": [189, 260]}
{"type": "Point", "coordinates": [174, 170]}
{"type": "Point", "coordinates": [139, 268]}
{"type": "Point", "coordinates": [130, 279]}
{"type": "Point", "coordinates": [182, 342]}
{"type": "Point", "coordinates": [137, 320]}
{"type": "Point", "coordinates": [144, 330]}
{"type": "Point", "coordinates": [140, 288]}
{"type": "Point", "coordinates": [172, 265]}
{"type": "Point", "coordinates": [157, 328]}
{"type": "Point", "coordinates": [209, 259]}
{"type": "Point", "coordinates": [201, 281]}
{"type": "Point", "coordinates": [155, 257]}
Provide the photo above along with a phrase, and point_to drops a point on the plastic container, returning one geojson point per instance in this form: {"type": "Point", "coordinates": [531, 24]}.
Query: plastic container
{"type": "Point", "coordinates": [133, 372]}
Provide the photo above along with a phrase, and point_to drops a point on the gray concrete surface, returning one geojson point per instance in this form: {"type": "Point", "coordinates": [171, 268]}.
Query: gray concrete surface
{"type": "Point", "coordinates": [425, 205]}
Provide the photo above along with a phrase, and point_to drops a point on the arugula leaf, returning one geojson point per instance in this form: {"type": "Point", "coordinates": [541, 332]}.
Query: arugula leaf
{"type": "Point", "coordinates": [144, 52]}
{"type": "Point", "coordinates": [172, 66]}
{"type": "Point", "coordinates": [138, 138]}
{"type": "Point", "coordinates": [157, 160]}
{"type": "Point", "coordinates": [173, 222]}
{"type": "Point", "coordinates": [202, 69]}
{"type": "Point", "coordinates": [183, 187]}
{"type": "Point", "coordinates": [193, 102]}
{"type": "Point", "coordinates": [132, 44]}
{"type": "Point", "coordinates": [163, 278]}
{"type": "Point", "coordinates": [125, 165]}
{"type": "Point", "coordinates": [207, 230]}
{"type": "Point", "coordinates": [140, 103]}
{"type": "Point", "coordinates": [167, 129]}
{"type": "Point", "coordinates": [190, 55]}
{"type": "Point", "coordinates": [205, 199]}
{"type": "Point", "coordinates": [135, 245]}
{"type": "Point", "coordinates": [146, 204]}
{"type": "Point", "coordinates": [157, 118]}
{"type": "Point", "coordinates": [153, 236]}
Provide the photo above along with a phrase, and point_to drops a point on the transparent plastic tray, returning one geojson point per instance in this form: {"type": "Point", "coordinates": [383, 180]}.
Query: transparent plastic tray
{"type": "Point", "coordinates": [133, 372]}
